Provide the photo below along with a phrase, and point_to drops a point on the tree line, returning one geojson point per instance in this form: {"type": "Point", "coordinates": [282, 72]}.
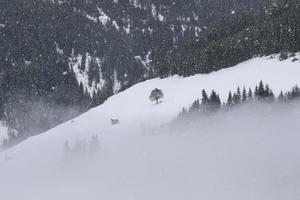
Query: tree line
{"type": "Point", "coordinates": [262, 93]}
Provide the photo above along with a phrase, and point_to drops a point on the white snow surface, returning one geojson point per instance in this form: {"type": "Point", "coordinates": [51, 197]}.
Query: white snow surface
{"type": "Point", "coordinates": [136, 165]}
{"type": "Point", "coordinates": [3, 131]}
{"type": "Point", "coordinates": [103, 18]}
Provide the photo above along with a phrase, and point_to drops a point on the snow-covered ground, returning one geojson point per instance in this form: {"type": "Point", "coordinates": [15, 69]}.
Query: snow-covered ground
{"type": "Point", "coordinates": [138, 161]}
{"type": "Point", "coordinates": [3, 131]}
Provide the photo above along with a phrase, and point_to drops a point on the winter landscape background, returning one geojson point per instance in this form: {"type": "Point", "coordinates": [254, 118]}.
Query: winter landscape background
{"type": "Point", "coordinates": [250, 151]}
{"type": "Point", "coordinates": [136, 99]}
{"type": "Point", "coordinates": [60, 58]}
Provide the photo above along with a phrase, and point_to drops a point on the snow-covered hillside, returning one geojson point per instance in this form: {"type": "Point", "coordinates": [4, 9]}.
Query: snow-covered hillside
{"type": "Point", "coordinates": [3, 131]}
{"type": "Point", "coordinates": [136, 161]}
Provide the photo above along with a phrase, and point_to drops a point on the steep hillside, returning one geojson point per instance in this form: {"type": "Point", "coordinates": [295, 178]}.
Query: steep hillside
{"type": "Point", "coordinates": [75, 54]}
{"type": "Point", "coordinates": [140, 159]}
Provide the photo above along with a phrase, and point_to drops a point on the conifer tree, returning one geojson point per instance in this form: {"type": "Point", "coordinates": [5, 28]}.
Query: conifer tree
{"type": "Point", "coordinates": [261, 90]}
{"type": "Point", "coordinates": [250, 95]}
{"type": "Point", "coordinates": [195, 106]}
{"type": "Point", "coordinates": [244, 95]}
{"type": "Point", "coordinates": [256, 92]}
{"type": "Point", "coordinates": [281, 96]}
{"type": "Point", "coordinates": [214, 101]}
{"type": "Point", "coordinates": [295, 92]}
{"type": "Point", "coordinates": [183, 113]}
{"type": "Point", "coordinates": [229, 100]}
{"type": "Point", "coordinates": [237, 96]}
{"type": "Point", "coordinates": [271, 96]}
{"type": "Point", "coordinates": [205, 99]}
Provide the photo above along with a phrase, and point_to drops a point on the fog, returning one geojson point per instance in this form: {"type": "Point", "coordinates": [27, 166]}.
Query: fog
{"type": "Point", "coordinates": [249, 152]}
{"type": "Point", "coordinates": [32, 118]}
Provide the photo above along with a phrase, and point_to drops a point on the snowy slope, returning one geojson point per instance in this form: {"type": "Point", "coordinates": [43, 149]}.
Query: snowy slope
{"type": "Point", "coordinates": [133, 163]}
{"type": "Point", "coordinates": [3, 131]}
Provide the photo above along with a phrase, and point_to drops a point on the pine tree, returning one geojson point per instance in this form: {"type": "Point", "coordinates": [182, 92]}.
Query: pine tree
{"type": "Point", "coordinates": [218, 101]}
{"type": "Point", "coordinates": [281, 96]}
{"type": "Point", "coordinates": [271, 97]}
{"type": "Point", "coordinates": [261, 90]}
{"type": "Point", "coordinates": [250, 95]}
{"type": "Point", "coordinates": [229, 100]}
{"type": "Point", "coordinates": [295, 92]}
{"type": "Point", "coordinates": [267, 91]}
{"type": "Point", "coordinates": [238, 92]}
{"type": "Point", "coordinates": [183, 113]}
{"type": "Point", "coordinates": [195, 106]}
{"type": "Point", "coordinates": [244, 95]}
{"type": "Point", "coordinates": [256, 92]}
{"type": "Point", "coordinates": [205, 99]}
{"type": "Point", "coordinates": [237, 97]}
{"type": "Point", "coordinates": [214, 101]}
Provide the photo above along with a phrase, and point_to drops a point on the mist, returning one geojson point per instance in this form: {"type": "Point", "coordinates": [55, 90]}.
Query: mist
{"type": "Point", "coordinates": [32, 117]}
{"type": "Point", "coordinates": [249, 152]}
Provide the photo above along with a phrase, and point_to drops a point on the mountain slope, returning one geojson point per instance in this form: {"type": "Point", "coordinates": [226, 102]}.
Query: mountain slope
{"type": "Point", "coordinates": [138, 161]}
{"type": "Point", "coordinates": [75, 54]}
{"type": "Point", "coordinates": [3, 131]}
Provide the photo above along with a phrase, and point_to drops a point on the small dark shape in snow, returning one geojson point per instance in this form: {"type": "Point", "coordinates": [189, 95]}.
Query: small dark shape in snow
{"type": "Point", "coordinates": [114, 121]}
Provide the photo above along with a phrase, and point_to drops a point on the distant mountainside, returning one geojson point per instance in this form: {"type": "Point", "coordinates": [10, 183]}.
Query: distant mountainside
{"type": "Point", "coordinates": [58, 58]}
{"type": "Point", "coordinates": [144, 157]}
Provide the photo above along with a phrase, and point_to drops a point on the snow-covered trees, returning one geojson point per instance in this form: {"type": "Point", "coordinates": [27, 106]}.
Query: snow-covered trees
{"type": "Point", "coordinates": [207, 104]}
{"type": "Point", "coordinates": [263, 93]}
{"type": "Point", "coordinates": [214, 101]}
{"type": "Point", "coordinates": [81, 148]}
{"type": "Point", "coordinates": [156, 95]}
{"type": "Point", "coordinates": [273, 26]}
{"type": "Point", "coordinates": [75, 152]}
